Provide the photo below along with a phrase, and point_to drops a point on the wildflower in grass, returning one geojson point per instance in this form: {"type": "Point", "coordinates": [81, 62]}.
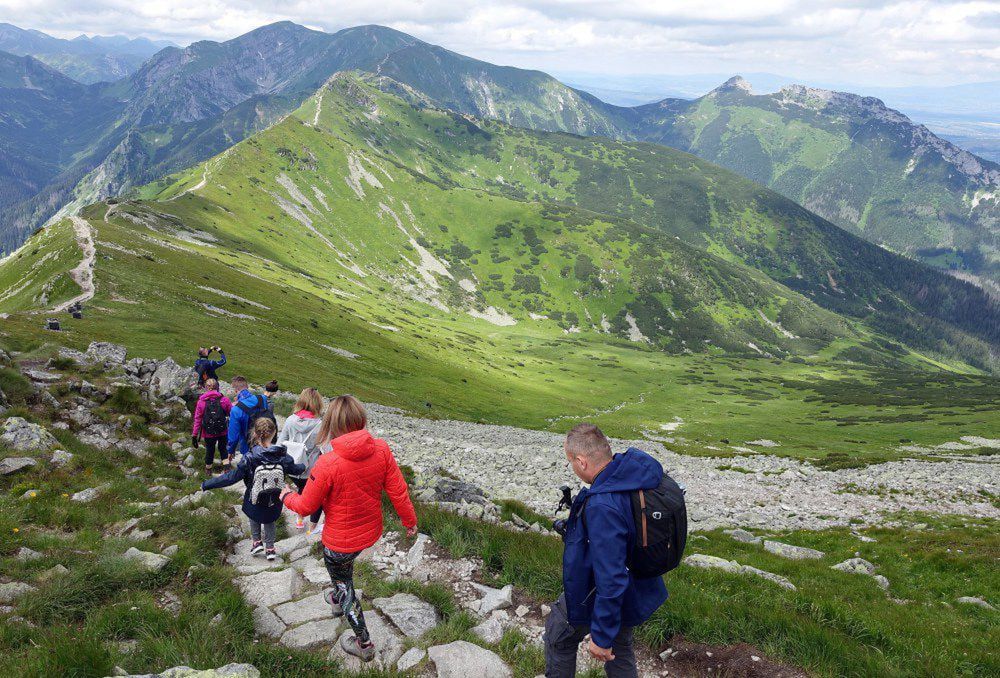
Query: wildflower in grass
{"type": "Point", "coordinates": [16, 530]}
{"type": "Point", "coordinates": [65, 494]}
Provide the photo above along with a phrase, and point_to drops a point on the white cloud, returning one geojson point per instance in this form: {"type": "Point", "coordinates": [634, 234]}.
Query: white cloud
{"type": "Point", "coordinates": [865, 41]}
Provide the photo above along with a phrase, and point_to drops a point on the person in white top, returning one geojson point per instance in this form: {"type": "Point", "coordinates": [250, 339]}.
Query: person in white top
{"type": "Point", "coordinates": [298, 435]}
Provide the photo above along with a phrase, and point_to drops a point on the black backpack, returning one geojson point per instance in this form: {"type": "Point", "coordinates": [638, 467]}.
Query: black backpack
{"type": "Point", "coordinates": [660, 529]}
{"type": "Point", "coordinates": [213, 421]}
{"type": "Point", "coordinates": [255, 412]}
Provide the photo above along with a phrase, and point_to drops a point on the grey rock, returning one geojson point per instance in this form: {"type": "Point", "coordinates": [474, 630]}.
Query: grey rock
{"type": "Point", "coordinates": [972, 600]}
{"type": "Point", "coordinates": [190, 500]}
{"type": "Point", "coordinates": [41, 376]}
{"type": "Point", "coordinates": [24, 554]}
{"type": "Point", "coordinates": [493, 599]}
{"type": "Point", "coordinates": [410, 614]}
{"type": "Point", "coordinates": [170, 551]}
{"type": "Point", "coordinates": [11, 591]}
{"type": "Point", "coordinates": [881, 581]}
{"type": "Point", "coordinates": [21, 435]}
{"type": "Point", "coordinates": [227, 671]}
{"type": "Point", "coordinates": [107, 353]}
{"type": "Point", "coordinates": [411, 658]}
{"type": "Point", "coordinates": [312, 634]}
{"type": "Point", "coordinates": [790, 551]}
{"type": "Point", "coordinates": [53, 572]}
{"type": "Point", "coordinates": [61, 457]}
{"type": "Point", "coordinates": [461, 659]}
{"type": "Point", "coordinates": [307, 609]}
{"type": "Point", "coordinates": [90, 494]}
{"type": "Point", "coordinates": [151, 562]}
{"type": "Point", "coordinates": [855, 566]}
{"type": "Point", "coordinates": [267, 624]}
{"type": "Point", "coordinates": [271, 587]}
{"type": "Point", "coordinates": [170, 379]}
{"type": "Point", "coordinates": [770, 576]}
{"type": "Point", "coordinates": [12, 465]}
{"type": "Point", "coordinates": [742, 535]}
{"type": "Point", "coordinates": [388, 645]}
{"type": "Point", "coordinates": [171, 603]}
{"type": "Point", "coordinates": [490, 630]}
{"type": "Point", "coordinates": [711, 562]}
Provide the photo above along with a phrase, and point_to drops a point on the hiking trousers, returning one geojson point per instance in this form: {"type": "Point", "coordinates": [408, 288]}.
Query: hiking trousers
{"type": "Point", "coordinates": [562, 640]}
{"type": "Point", "coordinates": [267, 528]}
{"type": "Point", "coordinates": [341, 569]}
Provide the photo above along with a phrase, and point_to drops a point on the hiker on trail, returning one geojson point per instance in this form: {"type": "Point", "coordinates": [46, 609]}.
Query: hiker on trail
{"type": "Point", "coordinates": [247, 409]}
{"type": "Point", "coordinates": [271, 391]}
{"type": "Point", "coordinates": [211, 421]}
{"type": "Point", "coordinates": [299, 436]}
{"type": "Point", "coordinates": [205, 367]}
{"type": "Point", "coordinates": [601, 596]}
{"type": "Point", "coordinates": [348, 482]}
{"type": "Point", "coordinates": [263, 472]}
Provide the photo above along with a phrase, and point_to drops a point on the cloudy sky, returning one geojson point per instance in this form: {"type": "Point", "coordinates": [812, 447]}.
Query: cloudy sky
{"type": "Point", "coordinates": [890, 43]}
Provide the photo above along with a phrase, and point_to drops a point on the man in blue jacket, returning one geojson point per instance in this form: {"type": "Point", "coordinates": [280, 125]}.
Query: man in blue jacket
{"type": "Point", "coordinates": [600, 595]}
{"type": "Point", "coordinates": [246, 408]}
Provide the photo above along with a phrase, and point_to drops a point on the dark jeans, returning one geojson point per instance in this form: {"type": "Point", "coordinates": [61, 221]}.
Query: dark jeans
{"type": "Point", "coordinates": [341, 569]}
{"type": "Point", "coordinates": [300, 483]}
{"type": "Point", "coordinates": [211, 444]}
{"type": "Point", "coordinates": [562, 640]}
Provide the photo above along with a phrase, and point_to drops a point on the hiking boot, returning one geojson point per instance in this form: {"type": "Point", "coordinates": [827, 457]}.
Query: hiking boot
{"type": "Point", "coordinates": [335, 608]}
{"type": "Point", "coordinates": [257, 548]}
{"type": "Point", "coordinates": [208, 471]}
{"type": "Point", "coordinates": [353, 646]}
{"type": "Point", "coordinates": [271, 554]}
{"type": "Point", "coordinates": [299, 523]}
{"type": "Point", "coordinates": [312, 528]}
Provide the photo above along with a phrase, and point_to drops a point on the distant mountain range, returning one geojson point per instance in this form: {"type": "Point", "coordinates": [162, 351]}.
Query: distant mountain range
{"type": "Point", "coordinates": [85, 59]}
{"type": "Point", "coordinates": [850, 159]}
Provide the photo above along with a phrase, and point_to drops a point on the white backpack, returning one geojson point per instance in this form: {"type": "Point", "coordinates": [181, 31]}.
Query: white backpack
{"type": "Point", "coordinates": [297, 451]}
{"type": "Point", "coordinates": [268, 479]}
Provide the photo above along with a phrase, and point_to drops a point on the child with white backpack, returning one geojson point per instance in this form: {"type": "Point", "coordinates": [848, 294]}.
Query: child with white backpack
{"type": "Point", "coordinates": [298, 435]}
{"type": "Point", "coordinates": [263, 471]}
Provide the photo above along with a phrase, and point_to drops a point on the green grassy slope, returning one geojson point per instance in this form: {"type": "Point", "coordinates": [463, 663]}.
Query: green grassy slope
{"type": "Point", "coordinates": [320, 259]}
{"type": "Point", "coordinates": [851, 160]}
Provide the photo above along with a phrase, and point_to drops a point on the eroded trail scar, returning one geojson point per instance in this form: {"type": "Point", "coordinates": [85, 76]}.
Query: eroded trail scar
{"type": "Point", "coordinates": [83, 274]}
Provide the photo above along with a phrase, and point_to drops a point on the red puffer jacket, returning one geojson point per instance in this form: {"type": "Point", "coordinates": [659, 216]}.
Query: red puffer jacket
{"type": "Point", "coordinates": [348, 482]}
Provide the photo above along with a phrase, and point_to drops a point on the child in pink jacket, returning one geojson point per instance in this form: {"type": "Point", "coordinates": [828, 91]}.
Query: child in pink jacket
{"type": "Point", "coordinates": [211, 421]}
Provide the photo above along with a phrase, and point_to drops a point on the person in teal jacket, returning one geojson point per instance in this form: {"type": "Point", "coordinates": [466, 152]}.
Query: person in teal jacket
{"type": "Point", "coordinates": [601, 597]}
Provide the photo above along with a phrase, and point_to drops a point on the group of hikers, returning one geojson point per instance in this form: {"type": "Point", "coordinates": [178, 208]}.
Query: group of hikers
{"type": "Point", "coordinates": [339, 469]}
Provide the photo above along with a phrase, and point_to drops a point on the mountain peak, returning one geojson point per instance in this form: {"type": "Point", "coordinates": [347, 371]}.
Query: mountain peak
{"type": "Point", "coordinates": [735, 83]}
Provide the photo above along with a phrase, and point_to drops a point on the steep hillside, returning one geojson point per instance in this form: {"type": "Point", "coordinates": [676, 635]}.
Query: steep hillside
{"type": "Point", "coordinates": [317, 250]}
{"type": "Point", "coordinates": [850, 159]}
{"type": "Point", "coordinates": [84, 59]}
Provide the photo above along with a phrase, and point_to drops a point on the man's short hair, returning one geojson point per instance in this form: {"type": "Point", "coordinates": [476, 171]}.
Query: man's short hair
{"type": "Point", "coordinates": [587, 440]}
{"type": "Point", "coordinates": [240, 383]}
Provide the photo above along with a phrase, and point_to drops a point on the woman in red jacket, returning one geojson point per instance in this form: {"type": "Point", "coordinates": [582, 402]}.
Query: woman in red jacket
{"type": "Point", "coordinates": [347, 482]}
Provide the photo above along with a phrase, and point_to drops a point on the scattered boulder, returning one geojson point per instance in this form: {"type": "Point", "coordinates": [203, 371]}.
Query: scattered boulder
{"type": "Point", "coordinates": [490, 630]}
{"type": "Point", "coordinates": [461, 659]}
{"type": "Point", "coordinates": [789, 551]}
{"type": "Point", "coordinates": [972, 600]}
{"type": "Point", "coordinates": [493, 599]}
{"type": "Point", "coordinates": [411, 658]}
{"type": "Point", "coordinates": [105, 352]}
{"type": "Point", "coordinates": [410, 614]}
{"type": "Point", "coordinates": [743, 536]}
{"type": "Point", "coordinates": [12, 465]}
{"type": "Point", "coordinates": [88, 495]}
{"type": "Point", "coordinates": [53, 572]}
{"type": "Point", "coordinates": [227, 671]}
{"type": "Point", "coordinates": [269, 588]}
{"type": "Point", "coordinates": [61, 457]}
{"type": "Point", "coordinates": [21, 435]}
{"type": "Point", "coordinates": [190, 500]}
{"type": "Point", "coordinates": [454, 491]}
{"type": "Point", "coordinates": [169, 379]}
{"type": "Point", "coordinates": [714, 562]}
{"type": "Point", "coordinates": [151, 562]}
{"type": "Point", "coordinates": [24, 554]}
{"type": "Point", "coordinates": [11, 591]}
{"type": "Point", "coordinates": [311, 635]}
{"type": "Point", "coordinates": [855, 566]}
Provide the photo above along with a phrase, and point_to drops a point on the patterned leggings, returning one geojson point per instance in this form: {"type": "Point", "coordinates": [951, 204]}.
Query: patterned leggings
{"type": "Point", "coordinates": [341, 569]}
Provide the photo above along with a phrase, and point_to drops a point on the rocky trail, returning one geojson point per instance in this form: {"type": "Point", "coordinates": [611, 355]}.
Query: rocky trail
{"type": "Point", "coordinates": [83, 273]}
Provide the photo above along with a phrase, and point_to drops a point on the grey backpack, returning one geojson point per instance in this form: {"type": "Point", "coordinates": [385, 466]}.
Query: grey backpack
{"type": "Point", "coordinates": [268, 479]}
